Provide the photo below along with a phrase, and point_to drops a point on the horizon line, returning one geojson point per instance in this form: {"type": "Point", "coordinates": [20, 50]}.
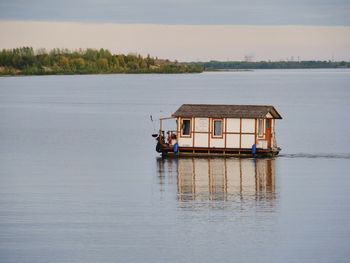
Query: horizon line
{"type": "Point", "coordinates": [164, 24]}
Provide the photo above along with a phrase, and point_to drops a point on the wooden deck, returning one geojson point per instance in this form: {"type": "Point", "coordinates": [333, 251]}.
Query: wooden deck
{"type": "Point", "coordinates": [218, 152]}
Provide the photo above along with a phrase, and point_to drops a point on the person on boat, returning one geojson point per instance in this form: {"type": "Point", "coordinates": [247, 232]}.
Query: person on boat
{"type": "Point", "coordinates": [162, 137]}
{"type": "Point", "coordinates": [173, 138]}
{"type": "Point", "coordinates": [169, 138]}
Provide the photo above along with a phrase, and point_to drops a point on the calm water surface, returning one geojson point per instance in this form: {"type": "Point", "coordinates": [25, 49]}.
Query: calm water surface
{"type": "Point", "coordinates": [80, 180]}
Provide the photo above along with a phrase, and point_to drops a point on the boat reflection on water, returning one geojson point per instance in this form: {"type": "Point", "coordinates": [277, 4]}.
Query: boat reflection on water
{"type": "Point", "coordinates": [220, 179]}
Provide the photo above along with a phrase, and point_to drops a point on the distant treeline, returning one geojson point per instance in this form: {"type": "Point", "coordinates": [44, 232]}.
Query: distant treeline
{"type": "Point", "coordinates": [239, 65]}
{"type": "Point", "coordinates": [26, 61]}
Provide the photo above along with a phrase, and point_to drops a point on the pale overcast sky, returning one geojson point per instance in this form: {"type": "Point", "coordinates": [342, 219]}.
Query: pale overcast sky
{"type": "Point", "coordinates": [227, 12]}
{"type": "Point", "coordinates": [186, 30]}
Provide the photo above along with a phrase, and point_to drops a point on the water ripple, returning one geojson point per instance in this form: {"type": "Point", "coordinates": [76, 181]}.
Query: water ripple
{"type": "Point", "coordinates": [317, 155]}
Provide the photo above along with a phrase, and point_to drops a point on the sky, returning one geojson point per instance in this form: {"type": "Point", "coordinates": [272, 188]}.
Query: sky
{"type": "Point", "coordinates": [186, 30]}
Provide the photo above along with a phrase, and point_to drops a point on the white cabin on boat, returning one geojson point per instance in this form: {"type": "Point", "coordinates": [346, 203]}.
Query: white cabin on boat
{"type": "Point", "coordinates": [226, 126]}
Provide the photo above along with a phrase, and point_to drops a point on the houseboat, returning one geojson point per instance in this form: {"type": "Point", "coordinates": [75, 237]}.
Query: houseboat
{"type": "Point", "coordinates": [220, 130]}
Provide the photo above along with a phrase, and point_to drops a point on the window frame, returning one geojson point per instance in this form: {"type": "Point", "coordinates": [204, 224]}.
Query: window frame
{"type": "Point", "coordinates": [213, 128]}
{"type": "Point", "coordinates": [261, 135]}
{"type": "Point", "coordinates": [181, 129]}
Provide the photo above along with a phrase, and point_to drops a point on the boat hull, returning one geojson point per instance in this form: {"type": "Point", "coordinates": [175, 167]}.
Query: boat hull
{"type": "Point", "coordinates": [219, 152]}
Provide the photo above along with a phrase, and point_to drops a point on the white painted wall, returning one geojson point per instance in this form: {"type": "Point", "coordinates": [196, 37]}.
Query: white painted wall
{"type": "Point", "coordinates": [233, 125]}
{"type": "Point", "coordinates": [232, 141]}
{"type": "Point", "coordinates": [217, 143]}
{"type": "Point", "coordinates": [185, 142]}
{"type": "Point", "coordinates": [201, 124]}
{"type": "Point", "coordinates": [261, 144]}
{"type": "Point", "coordinates": [268, 115]}
{"type": "Point", "coordinates": [248, 125]}
{"type": "Point", "coordinates": [247, 140]}
{"type": "Point", "coordinates": [201, 140]}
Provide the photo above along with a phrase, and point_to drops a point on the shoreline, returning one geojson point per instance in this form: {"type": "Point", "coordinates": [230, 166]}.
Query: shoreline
{"type": "Point", "coordinates": [165, 73]}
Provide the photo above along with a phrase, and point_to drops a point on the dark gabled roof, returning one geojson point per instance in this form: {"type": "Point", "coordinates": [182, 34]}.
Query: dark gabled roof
{"type": "Point", "coordinates": [226, 111]}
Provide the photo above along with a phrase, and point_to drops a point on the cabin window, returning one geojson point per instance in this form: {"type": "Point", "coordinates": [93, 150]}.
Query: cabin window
{"type": "Point", "coordinates": [260, 127]}
{"type": "Point", "coordinates": [186, 127]}
{"type": "Point", "coordinates": [217, 129]}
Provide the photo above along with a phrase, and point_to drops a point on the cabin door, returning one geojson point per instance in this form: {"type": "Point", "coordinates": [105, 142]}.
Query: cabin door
{"type": "Point", "coordinates": [268, 132]}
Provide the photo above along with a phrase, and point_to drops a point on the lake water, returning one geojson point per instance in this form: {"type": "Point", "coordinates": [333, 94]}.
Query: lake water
{"type": "Point", "coordinates": [80, 180]}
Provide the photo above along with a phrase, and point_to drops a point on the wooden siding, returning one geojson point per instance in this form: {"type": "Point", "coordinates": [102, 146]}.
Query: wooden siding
{"type": "Point", "coordinates": [237, 133]}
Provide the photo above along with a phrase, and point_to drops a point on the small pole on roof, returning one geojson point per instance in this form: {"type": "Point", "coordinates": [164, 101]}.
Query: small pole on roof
{"type": "Point", "coordinates": [154, 128]}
